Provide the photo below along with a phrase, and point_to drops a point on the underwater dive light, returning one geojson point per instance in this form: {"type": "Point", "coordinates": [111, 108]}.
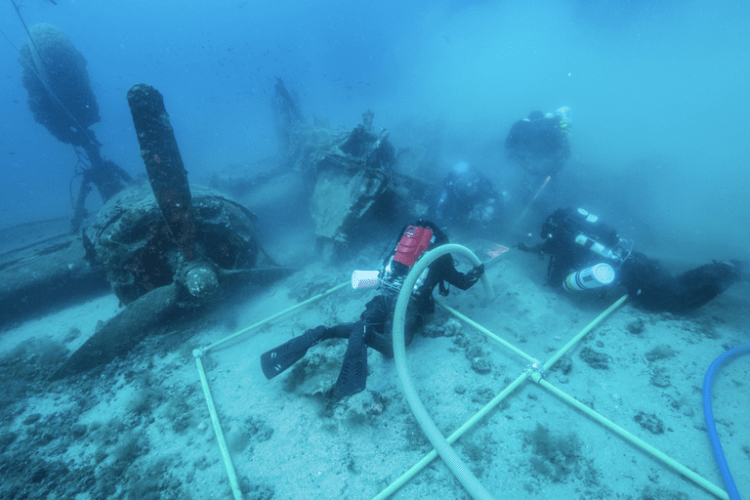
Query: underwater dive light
{"type": "Point", "coordinates": [591, 277]}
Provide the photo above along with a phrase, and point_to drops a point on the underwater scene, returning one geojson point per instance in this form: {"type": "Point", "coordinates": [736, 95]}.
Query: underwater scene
{"type": "Point", "coordinates": [367, 250]}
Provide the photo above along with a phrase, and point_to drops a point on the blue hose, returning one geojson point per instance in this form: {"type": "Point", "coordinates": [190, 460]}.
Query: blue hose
{"type": "Point", "coordinates": [711, 425]}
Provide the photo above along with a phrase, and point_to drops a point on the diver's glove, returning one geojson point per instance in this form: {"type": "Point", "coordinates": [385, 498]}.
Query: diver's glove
{"type": "Point", "coordinates": [474, 275]}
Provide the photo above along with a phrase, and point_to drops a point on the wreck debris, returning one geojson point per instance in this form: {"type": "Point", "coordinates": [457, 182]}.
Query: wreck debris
{"type": "Point", "coordinates": [166, 171]}
{"type": "Point", "coordinates": [346, 181]}
{"type": "Point", "coordinates": [302, 142]}
{"type": "Point", "coordinates": [60, 94]}
{"type": "Point", "coordinates": [42, 269]}
{"type": "Point", "coordinates": [356, 190]}
{"type": "Point", "coordinates": [61, 99]}
{"type": "Point", "coordinates": [166, 250]}
{"type": "Point", "coordinates": [287, 110]}
{"type": "Point", "coordinates": [149, 275]}
{"type": "Point", "coordinates": [122, 333]}
{"type": "Point", "coordinates": [290, 123]}
{"type": "Point", "coordinates": [353, 183]}
{"type": "Point", "coordinates": [133, 245]}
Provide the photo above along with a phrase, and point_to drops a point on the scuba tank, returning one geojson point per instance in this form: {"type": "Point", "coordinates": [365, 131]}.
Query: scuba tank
{"type": "Point", "coordinates": [595, 247]}
{"type": "Point", "coordinates": [614, 247]}
{"type": "Point", "coordinates": [585, 229]}
{"type": "Point", "coordinates": [567, 224]}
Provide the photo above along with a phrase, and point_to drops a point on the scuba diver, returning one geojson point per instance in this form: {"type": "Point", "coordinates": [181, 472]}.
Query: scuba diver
{"type": "Point", "coordinates": [374, 328]}
{"type": "Point", "coordinates": [586, 254]}
{"type": "Point", "coordinates": [539, 143]}
{"type": "Point", "coordinates": [468, 198]}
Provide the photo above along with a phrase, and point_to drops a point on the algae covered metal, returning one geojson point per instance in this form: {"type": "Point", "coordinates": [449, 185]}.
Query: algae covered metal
{"type": "Point", "coordinates": [62, 100]}
{"type": "Point", "coordinates": [131, 242]}
{"type": "Point", "coordinates": [165, 249]}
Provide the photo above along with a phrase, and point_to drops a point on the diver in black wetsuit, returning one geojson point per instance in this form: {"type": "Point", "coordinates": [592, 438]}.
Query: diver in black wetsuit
{"type": "Point", "coordinates": [374, 328]}
{"type": "Point", "coordinates": [586, 254]}
{"type": "Point", "coordinates": [539, 143]}
{"type": "Point", "coordinates": [468, 200]}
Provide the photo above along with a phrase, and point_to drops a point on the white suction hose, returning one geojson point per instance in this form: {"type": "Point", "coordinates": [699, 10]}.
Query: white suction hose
{"type": "Point", "coordinates": [459, 469]}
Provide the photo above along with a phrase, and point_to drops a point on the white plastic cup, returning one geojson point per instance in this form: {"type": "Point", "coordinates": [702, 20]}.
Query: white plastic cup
{"type": "Point", "coordinates": [365, 279]}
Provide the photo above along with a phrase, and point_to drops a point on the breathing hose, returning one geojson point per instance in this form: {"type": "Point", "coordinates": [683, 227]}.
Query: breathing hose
{"type": "Point", "coordinates": [451, 458]}
{"type": "Point", "coordinates": [708, 413]}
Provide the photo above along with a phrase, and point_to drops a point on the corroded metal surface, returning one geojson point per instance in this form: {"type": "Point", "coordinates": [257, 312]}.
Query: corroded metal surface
{"type": "Point", "coordinates": [133, 244]}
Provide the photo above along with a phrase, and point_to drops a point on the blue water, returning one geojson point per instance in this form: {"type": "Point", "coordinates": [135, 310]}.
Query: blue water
{"type": "Point", "coordinates": [660, 149]}
{"type": "Point", "coordinates": [658, 92]}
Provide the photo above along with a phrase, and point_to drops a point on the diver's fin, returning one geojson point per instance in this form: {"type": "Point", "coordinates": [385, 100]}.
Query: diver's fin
{"type": "Point", "coordinates": [280, 358]}
{"type": "Point", "coordinates": [353, 375]}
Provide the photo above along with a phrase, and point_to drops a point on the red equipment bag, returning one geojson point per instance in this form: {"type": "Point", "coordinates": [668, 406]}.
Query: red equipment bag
{"type": "Point", "coordinates": [414, 242]}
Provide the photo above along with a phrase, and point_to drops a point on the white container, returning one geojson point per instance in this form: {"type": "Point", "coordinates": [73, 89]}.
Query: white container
{"type": "Point", "coordinates": [365, 279]}
{"type": "Point", "coordinates": [591, 277]}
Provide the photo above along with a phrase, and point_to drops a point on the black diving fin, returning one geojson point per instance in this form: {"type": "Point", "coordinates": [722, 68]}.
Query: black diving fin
{"type": "Point", "coordinates": [277, 360]}
{"type": "Point", "coordinates": [353, 375]}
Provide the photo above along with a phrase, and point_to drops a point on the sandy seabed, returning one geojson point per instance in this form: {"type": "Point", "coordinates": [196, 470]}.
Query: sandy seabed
{"type": "Point", "coordinates": [140, 428]}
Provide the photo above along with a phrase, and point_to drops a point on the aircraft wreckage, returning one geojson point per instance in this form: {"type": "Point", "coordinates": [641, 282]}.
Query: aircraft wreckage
{"type": "Point", "coordinates": [166, 248]}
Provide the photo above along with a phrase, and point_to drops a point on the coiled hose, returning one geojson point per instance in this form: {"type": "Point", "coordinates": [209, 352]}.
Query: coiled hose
{"type": "Point", "coordinates": [459, 469]}
{"type": "Point", "coordinates": [708, 413]}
